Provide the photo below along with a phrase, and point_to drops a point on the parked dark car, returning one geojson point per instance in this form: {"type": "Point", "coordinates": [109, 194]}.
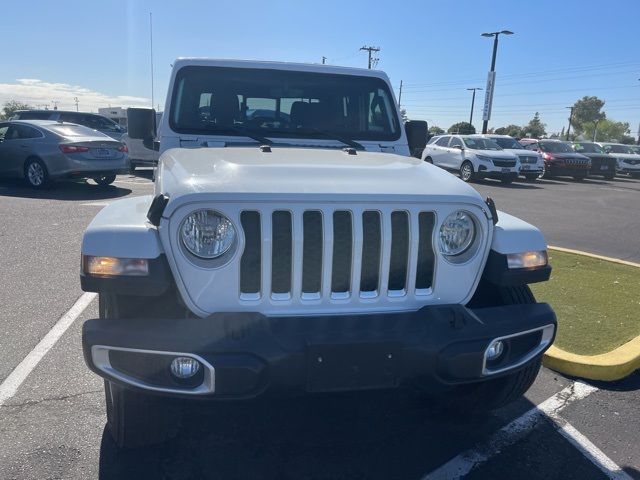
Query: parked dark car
{"type": "Point", "coordinates": [602, 163]}
{"type": "Point", "coordinates": [90, 120]}
{"type": "Point", "coordinates": [560, 160]}
{"type": "Point", "coordinates": [42, 150]}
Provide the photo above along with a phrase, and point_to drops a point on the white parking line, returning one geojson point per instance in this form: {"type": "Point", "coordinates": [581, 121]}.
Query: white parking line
{"type": "Point", "coordinates": [462, 464]}
{"type": "Point", "coordinates": [10, 385]}
{"type": "Point", "coordinates": [95, 204]}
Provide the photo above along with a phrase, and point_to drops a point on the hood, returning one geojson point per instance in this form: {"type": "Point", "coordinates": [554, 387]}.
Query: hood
{"type": "Point", "coordinates": [522, 152]}
{"type": "Point", "coordinates": [562, 155]}
{"type": "Point", "coordinates": [247, 172]}
{"type": "Point", "coordinates": [596, 155]}
{"type": "Point", "coordinates": [626, 156]}
{"type": "Point", "coordinates": [505, 154]}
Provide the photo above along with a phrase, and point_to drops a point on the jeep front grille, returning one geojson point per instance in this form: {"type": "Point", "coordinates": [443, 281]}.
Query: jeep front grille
{"type": "Point", "coordinates": [336, 254]}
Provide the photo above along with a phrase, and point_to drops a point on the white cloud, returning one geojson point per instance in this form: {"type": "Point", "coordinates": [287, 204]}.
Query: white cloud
{"type": "Point", "coordinates": [38, 93]}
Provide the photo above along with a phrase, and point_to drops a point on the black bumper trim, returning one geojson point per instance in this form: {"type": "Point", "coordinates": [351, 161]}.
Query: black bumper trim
{"type": "Point", "coordinates": [253, 354]}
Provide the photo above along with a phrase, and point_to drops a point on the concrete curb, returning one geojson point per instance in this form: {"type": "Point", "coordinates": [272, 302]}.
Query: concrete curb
{"type": "Point", "coordinates": [610, 366]}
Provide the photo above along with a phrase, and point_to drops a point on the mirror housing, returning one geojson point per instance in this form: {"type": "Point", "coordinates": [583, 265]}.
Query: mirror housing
{"type": "Point", "coordinates": [417, 133]}
{"type": "Point", "coordinates": [141, 124]}
{"type": "Point", "coordinates": [458, 147]}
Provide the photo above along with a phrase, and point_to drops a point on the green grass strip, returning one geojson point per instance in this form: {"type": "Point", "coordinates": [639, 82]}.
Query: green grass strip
{"type": "Point", "coordinates": [597, 302]}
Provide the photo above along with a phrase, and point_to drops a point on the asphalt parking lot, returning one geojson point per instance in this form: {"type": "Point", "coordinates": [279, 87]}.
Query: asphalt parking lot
{"type": "Point", "coordinates": [52, 424]}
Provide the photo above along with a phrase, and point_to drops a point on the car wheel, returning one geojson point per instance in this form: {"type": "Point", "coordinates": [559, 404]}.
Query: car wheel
{"type": "Point", "coordinates": [492, 394]}
{"type": "Point", "coordinates": [135, 419]}
{"type": "Point", "coordinates": [428, 160]}
{"type": "Point", "coordinates": [105, 180]}
{"type": "Point", "coordinates": [35, 173]}
{"type": "Point", "coordinates": [609, 177]}
{"type": "Point", "coordinates": [579, 178]}
{"type": "Point", "coordinates": [132, 169]}
{"type": "Point", "coordinates": [635, 175]}
{"type": "Point", "coordinates": [466, 171]}
{"type": "Point", "coordinates": [507, 181]}
{"type": "Point", "coordinates": [531, 178]}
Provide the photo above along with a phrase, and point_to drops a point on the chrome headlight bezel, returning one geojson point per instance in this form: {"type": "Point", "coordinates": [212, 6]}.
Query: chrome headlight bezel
{"type": "Point", "coordinates": [470, 244]}
{"type": "Point", "coordinates": [224, 223]}
{"type": "Point", "coordinates": [484, 158]}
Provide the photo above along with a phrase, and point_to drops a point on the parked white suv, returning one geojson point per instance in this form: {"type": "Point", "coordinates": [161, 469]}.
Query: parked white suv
{"type": "Point", "coordinates": [472, 157]}
{"type": "Point", "coordinates": [531, 163]}
{"type": "Point", "coordinates": [302, 249]}
{"type": "Point", "coordinates": [627, 160]}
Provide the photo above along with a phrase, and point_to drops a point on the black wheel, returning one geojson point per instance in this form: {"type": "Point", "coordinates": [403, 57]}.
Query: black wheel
{"type": "Point", "coordinates": [135, 419]}
{"type": "Point", "coordinates": [609, 176]}
{"type": "Point", "coordinates": [545, 172]}
{"type": "Point", "coordinates": [579, 178]}
{"type": "Point", "coordinates": [105, 180]}
{"type": "Point", "coordinates": [428, 160]}
{"type": "Point", "coordinates": [507, 180]}
{"type": "Point", "coordinates": [132, 168]}
{"type": "Point", "coordinates": [635, 175]}
{"type": "Point", "coordinates": [35, 173]}
{"type": "Point", "coordinates": [466, 171]}
{"type": "Point", "coordinates": [531, 177]}
{"type": "Point", "coordinates": [496, 393]}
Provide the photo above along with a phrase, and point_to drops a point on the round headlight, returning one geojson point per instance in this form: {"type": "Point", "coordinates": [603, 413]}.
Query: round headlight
{"type": "Point", "coordinates": [207, 233]}
{"type": "Point", "coordinates": [456, 233]}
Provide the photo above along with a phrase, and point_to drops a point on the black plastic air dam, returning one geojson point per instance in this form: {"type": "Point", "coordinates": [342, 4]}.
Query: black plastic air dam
{"type": "Point", "coordinates": [253, 354]}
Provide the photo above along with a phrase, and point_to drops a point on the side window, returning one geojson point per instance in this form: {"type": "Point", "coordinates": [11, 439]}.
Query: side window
{"type": "Point", "coordinates": [443, 142]}
{"type": "Point", "coordinates": [3, 130]}
{"type": "Point", "coordinates": [73, 118]}
{"type": "Point", "coordinates": [12, 133]}
{"type": "Point", "coordinates": [34, 115]}
{"type": "Point", "coordinates": [456, 142]}
{"type": "Point", "coordinates": [24, 131]}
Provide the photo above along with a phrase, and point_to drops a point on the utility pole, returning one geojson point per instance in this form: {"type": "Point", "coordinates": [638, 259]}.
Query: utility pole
{"type": "Point", "coordinates": [151, 53]}
{"type": "Point", "coordinates": [370, 50]}
{"type": "Point", "coordinates": [570, 118]}
{"type": "Point", "coordinates": [324, 59]}
{"type": "Point", "coordinates": [75, 99]}
{"type": "Point", "coordinates": [400, 95]}
{"type": "Point", "coordinates": [595, 129]}
{"type": "Point", "coordinates": [55, 104]}
{"type": "Point", "coordinates": [488, 98]}
{"type": "Point", "coordinates": [473, 101]}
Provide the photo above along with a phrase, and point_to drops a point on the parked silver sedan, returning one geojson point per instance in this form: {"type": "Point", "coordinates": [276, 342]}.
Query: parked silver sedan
{"type": "Point", "coordinates": [41, 151]}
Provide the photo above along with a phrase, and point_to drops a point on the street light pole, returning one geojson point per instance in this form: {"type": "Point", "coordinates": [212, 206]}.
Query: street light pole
{"type": "Point", "coordinates": [488, 100]}
{"type": "Point", "coordinates": [595, 129]}
{"type": "Point", "coordinates": [473, 101]}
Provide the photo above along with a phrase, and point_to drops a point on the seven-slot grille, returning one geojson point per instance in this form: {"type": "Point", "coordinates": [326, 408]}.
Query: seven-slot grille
{"type": "Point", "coordinates": [504, 163]}
{"type": "Point", "coordinates": [336, 254]}
{"type": "Point", "coordinates": [575, 161]}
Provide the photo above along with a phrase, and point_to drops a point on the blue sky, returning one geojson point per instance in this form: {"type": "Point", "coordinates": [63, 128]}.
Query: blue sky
{"type": "Point", "coordinates": [99, 50]}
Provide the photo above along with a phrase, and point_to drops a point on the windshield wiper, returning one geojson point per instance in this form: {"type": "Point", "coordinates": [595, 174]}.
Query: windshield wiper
{"type": "Point", "coordinates": [332, 136]}
{"type": "Point", "coordinates": [246, 133]}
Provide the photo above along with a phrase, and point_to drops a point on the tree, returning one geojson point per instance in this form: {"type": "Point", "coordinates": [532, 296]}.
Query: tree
{"type": "Point", "coordinates": [586, 110]}
{"type": "Point", "coordinates": [463, 128]}
{"type": "Point", "coordinates": [607, 131]}
{"type": "Point", "coordinates": [11, 107]}
{"type": "Point", "coordinates": [535, 128]}
{"type": "Point", "coordinates": [511, 130]}
{"type": "Point", "coordinates": [435, 130]}
{"type": "Point", "coordinates": [403, 115]}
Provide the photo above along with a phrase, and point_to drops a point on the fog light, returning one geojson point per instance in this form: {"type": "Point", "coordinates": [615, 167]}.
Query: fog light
{"type": "Point", "coordinates": [184, 367]}
{"type": "Point", "coordinates": [495, 350]}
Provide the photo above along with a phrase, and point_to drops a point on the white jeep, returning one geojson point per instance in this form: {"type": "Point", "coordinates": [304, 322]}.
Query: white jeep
{"type": "Point", "coordinates": [292, 245]}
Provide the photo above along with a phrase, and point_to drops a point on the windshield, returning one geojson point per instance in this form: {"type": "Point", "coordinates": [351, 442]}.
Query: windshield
{"type": "Point", "coordinates": [588, 148]}
{"type": "Point", "coordinates": [280, 103]}
{"type": "Point", "coordinates": [555, 147]}
{"type": "Point", "coordinates": [480, 143]}
{"type": "Point", "coordinates": [507, 142]}
{"type": "Point", "coordinates": [617, 149]}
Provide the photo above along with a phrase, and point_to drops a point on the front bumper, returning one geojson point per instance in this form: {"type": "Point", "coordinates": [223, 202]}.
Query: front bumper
{"type": "Point", "coordinates": [244, 355]}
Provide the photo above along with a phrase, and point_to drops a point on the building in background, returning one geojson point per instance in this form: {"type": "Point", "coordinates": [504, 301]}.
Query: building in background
{"type": "Point", "coordinates": [117, 114]}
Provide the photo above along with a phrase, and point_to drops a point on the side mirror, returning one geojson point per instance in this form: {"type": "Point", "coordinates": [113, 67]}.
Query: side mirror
{"type": "Point", "coordinates": [417, 132]}
{"type": "Point", "coordinates": [458, 147]}
{"type": "Point", "coordinates": [141, 124]}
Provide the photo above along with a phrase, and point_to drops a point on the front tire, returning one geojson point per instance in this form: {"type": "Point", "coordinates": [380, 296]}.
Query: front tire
{"type": "Point", "coordinates": [428, 160]}
{"type": "Point", "coordinates": [135, 419]}
{"type": "Point", "coordinates": [506, 181]}
{"type": "Point", "coordinates": [492, 394]}
{"type": "Point", "coordinates": [35, 173]}
{"type": "Point", "coordinates": [579, 178]}
{"type": "Point", "coordinates": [105, 180]}
{"type": "Point", "coordinates": [531, 178]}
{"type": "Point", "coordinates": [466, 171]}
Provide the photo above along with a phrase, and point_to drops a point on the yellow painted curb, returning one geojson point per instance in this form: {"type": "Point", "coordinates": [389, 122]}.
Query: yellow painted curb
{"type": "Point", "coordinates": [610, 366]}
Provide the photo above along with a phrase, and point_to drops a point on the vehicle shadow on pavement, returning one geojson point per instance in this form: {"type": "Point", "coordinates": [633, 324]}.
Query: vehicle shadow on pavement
{"type": "Point", "coordinates": [520, 185]}
{"type": "Point", "coordinates": [66, 191]}
{"type": "Point", "coordinates": [627, 384]}
{"type": "Point", "coordinates": [366, 435]}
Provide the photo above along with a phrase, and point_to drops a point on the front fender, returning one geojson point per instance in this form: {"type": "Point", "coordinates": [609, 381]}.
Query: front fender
{"type": "Point", "coordinates": [512, 235]}
{"type": "Point", "coordinates": [121, 229]}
